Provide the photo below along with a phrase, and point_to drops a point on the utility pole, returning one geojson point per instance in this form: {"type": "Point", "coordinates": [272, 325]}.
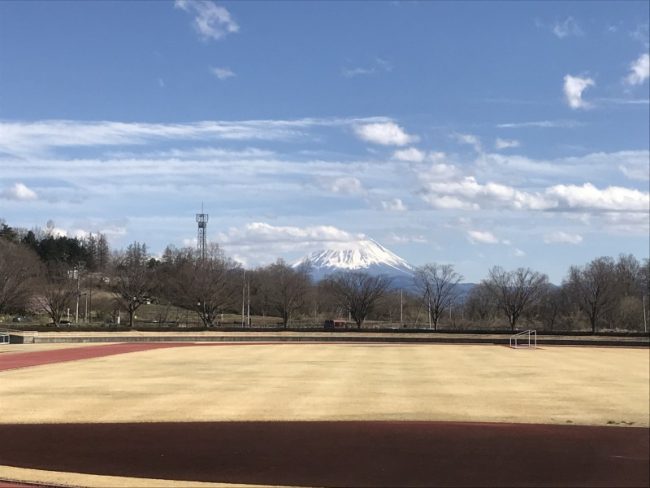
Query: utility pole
{"type": "Point", "coordinates": [429, 310]}
{"type": "Point", "coordinates": [645, 323]}
{"type": "Point", "coordinates": [76, 313]}
{"type": "Point", "coordinates": [248, 296]}
{"type": "Point", "coordinates": [90, 301]}
{"type": "Point", "coordinates": [243, 299]}
{"type": "Point", "coordinates": [401, 318]}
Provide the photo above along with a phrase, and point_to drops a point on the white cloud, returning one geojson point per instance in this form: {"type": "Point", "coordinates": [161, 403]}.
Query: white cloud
{"type": "Point", "coordinates": [588, 197]}
{"type": "Point", "coordinates": [414, 155]}
{"type": "Point", "coordinates": [30, 137]}
{"type": "Point", "coordinates": [384, 133]}
{"type": "Point", "coordinates": [601, 165]}
{"type": "Point", "coordinates": [542, 124]}
{"type": "Point", "coordinates": [18, 191]}
{"type": "Point", "coordinates": [640, 34]}
{"type": "Point", "coordinates": [639, 70]}
{"type": "Point", "coordinates": [346, 185]}
{"type": "Point", "coordinates": [436, 156]}
{"type": "Point", "coordinates": [438, 172]}
{"type": "Point", "coordinates": [261, 243]}
{"type": "Point", "coordinates": [628, 223]}
{"type": "Point", "coordinates": [358, 71]}
{"type": "Point", "coordinates": [506, 143]}
{"type": "Point", "coordinates": [519, 253]}
{"type": "Point", "coordinates": [406, 239]}
{"type": "Point", "coordinates": [222, 73]}
{"type": "Point", "coordinates": [636, 170]}
{"type": "Point", "coordinates": [482, 237]}
{"type": "Point", "coordinates": [573, 88]}
{"type": "Point", "coordinates": [410, 154]}
{"type": "Point", "coordinates": [446, 202]}
{"type": "Point", "coordinates": [566, 27]}
{"type": "Point", "coordinates": [561, 237]}
{"type": "Point", "coordinates": [456, 192]}
{"type": "Point", "coordinates": [211, 21]}
{"type": "Point", "coordinates": [470, 140]}
{"type": "Point", "coordinates": [394, 205]}
{"type": "Point", "coordinates": [34, 137]}
{"type": "Point", "coordinates": [379, 65]}
{"type": "Point", "coordinates": [624, 101]}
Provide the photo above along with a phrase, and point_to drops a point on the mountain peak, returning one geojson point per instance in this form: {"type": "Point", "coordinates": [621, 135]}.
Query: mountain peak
{"type": "Point", "coordinates": [362, 255]}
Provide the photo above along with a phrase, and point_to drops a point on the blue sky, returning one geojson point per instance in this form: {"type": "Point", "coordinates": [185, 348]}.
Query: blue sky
{"type": "Point", "coordinates": [473, 133]}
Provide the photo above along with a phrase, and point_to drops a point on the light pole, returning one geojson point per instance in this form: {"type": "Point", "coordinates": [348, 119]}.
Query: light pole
{"type": "Point", "coordinates": [76, 313]}
{"type": "Point", "coordinates": [85, 295]}
{"type": "Point", "coordinates": [248, 300]}
{"type": "Point", "coordinates": [645, 323]}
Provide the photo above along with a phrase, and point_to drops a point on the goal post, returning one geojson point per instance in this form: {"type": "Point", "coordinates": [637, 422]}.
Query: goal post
{"type": "Point", "coordinates": [524, 340]}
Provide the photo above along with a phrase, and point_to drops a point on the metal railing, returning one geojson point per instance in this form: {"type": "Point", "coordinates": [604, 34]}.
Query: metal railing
{"type": "Point", "coordinates": [527, 336]}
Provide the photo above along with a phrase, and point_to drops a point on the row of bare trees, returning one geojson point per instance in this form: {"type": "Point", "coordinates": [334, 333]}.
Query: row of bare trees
{"type": "Point", "coordinates": [605, 293]}
{"type": "Point", "coordinates": [602, 294]}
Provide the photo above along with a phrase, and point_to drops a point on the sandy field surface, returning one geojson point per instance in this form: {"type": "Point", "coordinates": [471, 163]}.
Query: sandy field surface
{"type": "Point", "coordinates": [579, 385]}
{"type": "Point", "coordinates": [57, 478]}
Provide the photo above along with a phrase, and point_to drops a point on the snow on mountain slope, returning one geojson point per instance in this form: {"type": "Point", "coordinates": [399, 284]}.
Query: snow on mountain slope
{"type": "Point", "coordinates": [364, 255]}
{"type": "Point", "coordinates": [370, 257]}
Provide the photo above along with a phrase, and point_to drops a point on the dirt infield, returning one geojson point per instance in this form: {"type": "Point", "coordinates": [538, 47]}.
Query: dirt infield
{"type": "Point", "coordinates": [339, 453]}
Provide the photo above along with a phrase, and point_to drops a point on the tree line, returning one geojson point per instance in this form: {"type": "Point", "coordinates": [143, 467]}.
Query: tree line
{"type": "Point", "coordinates": [44, 273]}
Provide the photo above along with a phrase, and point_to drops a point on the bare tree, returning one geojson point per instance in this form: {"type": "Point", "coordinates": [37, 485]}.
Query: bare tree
{"type": "Point", "coordinates": [208, 284]}
{"type": "Point", "coordinates": [19, 268]}
{"type": "Point", "coordinates": [552, 305]}
{"type": "Point", "coordinates": [592, 286]}
{"type": "Point", "coordinates": [103, 253]}
{"type": "Point", "coordinates": [286, 289]}
{"type": "Point", "coordinates": [133, 281]}
{"type": "Point", "coordinates": [438, 285]}
{"type": "Point", "coordinates": [515, 291]}
{"type": "Point", "coordinates": [358, 292]}
{"type": "Point", "coordinates": [480, 303]}
{"type": "Point", "coordinates": [58, 291]}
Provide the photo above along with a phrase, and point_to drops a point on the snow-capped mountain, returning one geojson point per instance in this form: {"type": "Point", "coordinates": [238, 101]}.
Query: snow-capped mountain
{"type": "Point", "coordinates": [370, 257]}
{"type": "Point", "coordinates": [364, 255]}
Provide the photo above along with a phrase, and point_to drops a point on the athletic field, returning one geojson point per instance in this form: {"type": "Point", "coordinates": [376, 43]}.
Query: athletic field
{"type": "Point", "coordinates": [324, 414]}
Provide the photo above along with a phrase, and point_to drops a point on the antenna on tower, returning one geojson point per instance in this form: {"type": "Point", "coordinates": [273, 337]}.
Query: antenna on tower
{"type": "Point", "coordinates": [202, 222]}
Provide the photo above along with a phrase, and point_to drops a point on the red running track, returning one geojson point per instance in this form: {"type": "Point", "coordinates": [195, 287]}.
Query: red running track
{"type": "Point", "coordinates": [38, 358]}
{"type": "Point", "coordinates": [341, 454]}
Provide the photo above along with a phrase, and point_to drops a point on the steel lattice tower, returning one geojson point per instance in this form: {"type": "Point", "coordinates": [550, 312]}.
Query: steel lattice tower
{"type": "Point", "coordinates": [202, 221]}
